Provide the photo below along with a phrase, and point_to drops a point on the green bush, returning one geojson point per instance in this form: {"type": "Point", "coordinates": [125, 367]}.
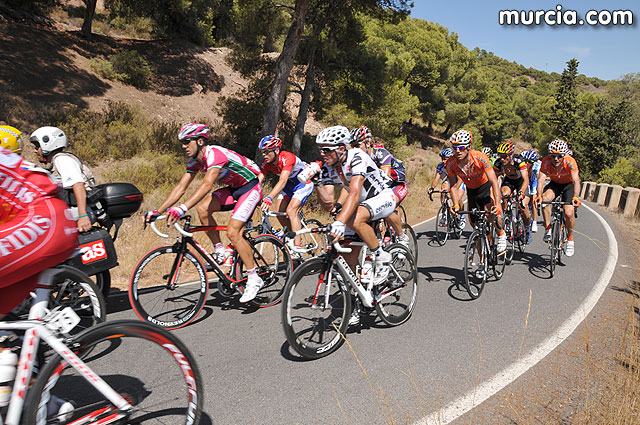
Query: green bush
{"type": "Point", "coordinates": [625, 172]}
{"type": "Point", "coordinates": [148, 171]}
{"type": "Point", "coordinates": [128, 67]}
{"type": "Point", "coordinates": [135, 26]}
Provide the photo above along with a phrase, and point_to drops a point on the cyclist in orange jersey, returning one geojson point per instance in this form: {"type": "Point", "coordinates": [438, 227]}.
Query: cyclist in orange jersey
{"type": "Point", "coordinates": [563, 172]}
{"type": "Point", "coordinates": [475, 170]}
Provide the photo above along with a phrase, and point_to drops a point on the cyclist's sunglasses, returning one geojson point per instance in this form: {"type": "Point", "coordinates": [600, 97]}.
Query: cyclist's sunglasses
{"type": "Point", "coordinates": [327, 150]}
{"type": "Point", "coordinates": [266, 151]}
{"type": "Point", "coordinates": [557, 155]}
{"type": "Point", "coordinates": [187, 140]}
{"type": "Point", "coordinates": [503, 155]}
{"type": "Point", "coordinates": [459, 147]}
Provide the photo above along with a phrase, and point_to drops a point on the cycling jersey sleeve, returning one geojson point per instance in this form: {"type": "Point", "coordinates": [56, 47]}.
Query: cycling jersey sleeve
{"type": "Point", "coordinates": [357, 164]}
{"type": "Point", "coordinates": [287, 161]}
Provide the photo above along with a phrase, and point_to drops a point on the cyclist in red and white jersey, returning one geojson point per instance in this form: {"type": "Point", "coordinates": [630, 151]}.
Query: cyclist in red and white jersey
{"type": "Point", "coordinates": [242, 195]}
{"type": "Point", "coordinates": [36, 229]}
{"type": "Point", "coordinates": [291, 194]}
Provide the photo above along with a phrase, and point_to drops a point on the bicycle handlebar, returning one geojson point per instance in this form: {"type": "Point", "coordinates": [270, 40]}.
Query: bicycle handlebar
{"type": "Point", "coordinates": [543, 203]}
{"type": "Point", "coordinates": [436, 191]}
{"type": "Point", "coordinates": [176, 225]}
{"type": "Point", "coordinates": [325, 229]}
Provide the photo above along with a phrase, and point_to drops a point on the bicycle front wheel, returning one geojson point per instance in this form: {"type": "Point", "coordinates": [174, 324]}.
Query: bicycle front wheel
{"type": "Point", "coordinates": [396, 297]}
{"type": "Point", "coordinates": [508, 226]}
{"type": "Point", "coordinates": [413, 240]}
{"type": "Point", "coordinates": [476, 258]}
{"type": "Point", "coordinates": [442, 225]}
{"type": "Point", "coordinates": [168, 288]}
{"type": "Point", "coordinates": [146, 365]}
{"type": "Point", "coordinates": [316, 309]}
{"type": "Point", "coordinates": [554, 245]}
{"type": "Point", "coordinates": [273, 264]}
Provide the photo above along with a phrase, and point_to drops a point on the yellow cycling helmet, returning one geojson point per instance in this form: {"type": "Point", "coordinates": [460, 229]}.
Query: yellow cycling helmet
{"type": "Point", "coordinates": [10, 138]}
{"type": "Point", "coordinates": [506, 147]}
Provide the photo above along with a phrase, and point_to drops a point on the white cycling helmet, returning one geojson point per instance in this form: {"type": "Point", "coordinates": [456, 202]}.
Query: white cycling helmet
{"type": "Point", "coordinates": [49, 139]}
{"type": "Point", "coordinates": [336, 135]}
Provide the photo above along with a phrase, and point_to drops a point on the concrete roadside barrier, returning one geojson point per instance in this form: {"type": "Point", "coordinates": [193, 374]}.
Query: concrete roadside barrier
{"type": "Point", "coordinates": [601, 193]}
{"type": "Point", "coordinates": [613, 198]}
{"type": "Point", "coordinates": [631, 201]}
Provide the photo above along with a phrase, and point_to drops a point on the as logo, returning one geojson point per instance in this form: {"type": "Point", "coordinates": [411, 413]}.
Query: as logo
{"type": "Point", "coordinates": [93, 251]}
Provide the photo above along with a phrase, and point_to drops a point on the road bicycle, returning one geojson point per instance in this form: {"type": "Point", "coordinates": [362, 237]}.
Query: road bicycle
{"type": "Point", "coordinates": [317, 302]}
{"type": "Point", "coordinates": [481, 253]}
{"type": "Point", "coordinates": [513, 225]}
{"type": "Point", "coordinates": [310, 245]}
{"type": "Point", "coordinates": [169, 285]}
{"type": "Point", "coordinates": [558, 232]}
{"type": "Point", "coordinates": [446, 221]}
{"type": "Point", "coordinates": [122, 371]}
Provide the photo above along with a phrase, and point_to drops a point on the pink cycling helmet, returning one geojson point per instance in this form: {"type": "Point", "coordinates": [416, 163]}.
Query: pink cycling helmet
{"type": "Point", "coordinates": [193, 131]}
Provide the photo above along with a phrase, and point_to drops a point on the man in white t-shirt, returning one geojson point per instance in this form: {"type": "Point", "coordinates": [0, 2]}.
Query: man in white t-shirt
{"type": "Point", "coordinates": [75, 178]}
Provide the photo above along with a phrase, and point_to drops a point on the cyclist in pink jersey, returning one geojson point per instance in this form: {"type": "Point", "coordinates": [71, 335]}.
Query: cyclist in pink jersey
{"type": "Point", "coordinates": [242, 194]}
{"type": "Point", "coordinates": [36, 229]}
{"type": "Point", "coordinates": [291, 193]}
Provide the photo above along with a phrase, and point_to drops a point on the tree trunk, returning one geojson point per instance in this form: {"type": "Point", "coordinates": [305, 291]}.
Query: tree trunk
{"type": "Point", "coordinates": [88, 18]}
{"type": "Point", "coordinates": [304, 103]}
{"type": "Point", "coordinates": [283, 69]}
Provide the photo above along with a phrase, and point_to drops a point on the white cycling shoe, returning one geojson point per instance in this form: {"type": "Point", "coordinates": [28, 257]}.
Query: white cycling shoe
{"type": "Point", "coordinates": [569, 248]}
{"type": "Point", "coordinates": [534, 226]}
{"type": "Point", "coordinates": [382, 267]}
{"type": "Point", "coordinates": [501, 245]}
{"type": "Point", "coordinates": [59, 408]}
{"type": "Point", "coordinates": [252, 288]}
{"type": "Point", "coordinates": [547, 235]}
{"type": "Point", "coordinates": [404, 240]}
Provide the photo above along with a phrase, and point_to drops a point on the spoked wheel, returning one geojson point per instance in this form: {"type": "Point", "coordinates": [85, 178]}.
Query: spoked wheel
{"type": "Point", "coordinates": [563, 242]}
{"type": "Point", "coordinates": [508, 225]}
{"type": "Point", "coordinates": [273, 265]}
{"type": "Point", "coordinates": [476, 267]}
{"type": "Point", "coordinates": [396, 297]}
{"type": "Point", "coordinates": [413, 239]}
{"type": "Point", "coordinates": [168, 288]}
{"type": "Point", "coordinates": [498, 260]}
{"type": "Point", "coordinates": [316, 243]}
{"type": "Point", "coordinates": [554, 244]}
{"type": "Point", "coordinates": [521, 231]}
{"type": "Point", "coordinates": [442, 225]}
{"type": "Point", "coordinates": [103, 280]}
{"type": "Point", "coordinates": [146, 365]}
{"type": "Point", "coordinates": [316, 309]}
{"type": "Point", "coordinates": [456, 225]}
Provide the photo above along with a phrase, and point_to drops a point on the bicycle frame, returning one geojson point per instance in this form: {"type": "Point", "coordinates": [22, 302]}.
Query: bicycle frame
{"type": "Point", "coordinates": [266, 227]}
{"type": "Point", "coordinates": [35, 329]}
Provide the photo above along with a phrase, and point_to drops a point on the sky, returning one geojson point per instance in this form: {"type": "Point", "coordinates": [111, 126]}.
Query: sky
{"type": "Point", "coordinates": [604, 51]}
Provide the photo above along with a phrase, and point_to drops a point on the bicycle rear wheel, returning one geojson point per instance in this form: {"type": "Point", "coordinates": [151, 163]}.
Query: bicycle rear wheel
{"type": "Point", "coordinates": [396, 297]}
{"type": "Point", "coordinates": [168, 288]}
{"type": "Point", "coordinates": [521, 232]}
{"type": "Point", "coordinates": [273, 265]}
{"type": "Point", "coordinates": [413, 240]}
{"type": "Point", "coordinates": [498, 261]}
{"type": "Point", "coordinates": [316, 309]}
{"type": "Point", "coordinates": [442, 225]}
{"type": "Point", "coordinates": [475, 264]}
{"type": "Point", "coordinates": [403, 214]}
{"type": "Point", "coordinates": [148, 366]}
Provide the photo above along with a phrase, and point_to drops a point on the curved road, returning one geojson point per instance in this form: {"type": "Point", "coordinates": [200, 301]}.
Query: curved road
{"type": "Point", "coordinates": [450, 355]}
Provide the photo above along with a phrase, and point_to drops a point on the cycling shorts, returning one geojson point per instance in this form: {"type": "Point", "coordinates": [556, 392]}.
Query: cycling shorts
{"type": "Point", "coordinates": [479, 197]}
{"type": "Point", "coordinates": [561, 189]}
{"type": "Point", "coordinates": [533, 187]}
{"type": "Point", "coordinates": [243, 200]}
{"type": "Point", "coordinates": [513, 184]}
{"type": "Point", "coordinates": [381, 205]}
{"type": "Point", "coordinates": [41, 236]}
{"type": "Point", "coordinates": [400, 190]}
{"type": "Point", "coordinates": [297, 190]}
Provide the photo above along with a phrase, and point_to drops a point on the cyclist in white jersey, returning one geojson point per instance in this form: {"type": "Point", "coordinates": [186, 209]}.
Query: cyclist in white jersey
{"type": "Point", "coordinates": [366, 194]}
{"type": "Point", "coordinates": [242, 194]}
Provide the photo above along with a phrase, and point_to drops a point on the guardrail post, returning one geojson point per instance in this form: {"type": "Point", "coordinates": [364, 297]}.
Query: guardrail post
{"type": "Point", "coordinates": [601, 191]}
{"type": "Point", "coordinates": [587, 191]}
{"type": "Point", "coordinates": [631, 201]}
{"type": "Point", "coordinates": [614, 198]}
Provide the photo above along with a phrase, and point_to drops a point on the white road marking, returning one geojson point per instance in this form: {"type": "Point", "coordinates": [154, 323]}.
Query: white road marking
{"type": "Point", "coordinates": [486, 389]}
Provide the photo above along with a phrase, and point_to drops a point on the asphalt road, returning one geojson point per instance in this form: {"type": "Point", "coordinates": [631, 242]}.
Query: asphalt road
{"type": "Point", "coordinates": [449, 346]}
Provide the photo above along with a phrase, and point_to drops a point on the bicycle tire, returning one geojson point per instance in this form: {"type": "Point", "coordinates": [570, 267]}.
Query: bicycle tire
{"type": "Point", "coordinates": [403, 214]}
{"type": "Point", "coordinates": [396, 297]}
{"type": "Point", "coordinates": [554, 248]}
{"type": "Point", "coordinates": [413, 240]}
{"type": "Point", "coordinates": [498, 261]}
{"type": "Point", "coordinates": [124, 352]}
{"type": "Point", "coordinates": [521, 240]}
{"type": "Point", "coordinates": [475, 264]}
{"type": "Point", "coordinates": [442, 231]}
{"type": "Point", "coordinates": [313, 331]}
{"type": "Point", "coordinates": [168, 288]}
{"type": "Point", "coordinates": [455, 225]}
{"type": "Point", "coordinates": [317, 239]}
{"type": "Point", "coordinates": [103, 280]}
{"type": "Point", "coordinates": [507, 225]}
{"type": "Point", "coordinates": [563, 241]}
{"type": "Point", "coordinates": [273, 264]}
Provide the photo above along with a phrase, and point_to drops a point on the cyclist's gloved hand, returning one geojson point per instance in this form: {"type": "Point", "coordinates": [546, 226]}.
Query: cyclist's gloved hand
{"type": "Point", "coordinates": [576, 201]}
{"type": "Point", "coordinates": [177, 212]}
{"type": "Point", "coordinates": [151, 216]}
{"type": "Point", "coordinates": [337, 229]}
{"type": "Point", "coordinates": [430, 190]}
{"type": "Point", "coordinates": [496, 210]}
{"type": "Point", "coordinates": [337, 207]}
{"type": "Point", "coordinates": [537, 200]}
{"type": "Point", "coordinates": [266, 204]}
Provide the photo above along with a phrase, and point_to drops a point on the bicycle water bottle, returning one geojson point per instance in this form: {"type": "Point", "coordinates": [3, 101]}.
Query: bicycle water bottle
{"type": "Point", "coordinates": [8, 362]}
{"type": "Point", "coordinates": [228, 255]}
{"type": "Point", "coordinates": [310, 171]}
